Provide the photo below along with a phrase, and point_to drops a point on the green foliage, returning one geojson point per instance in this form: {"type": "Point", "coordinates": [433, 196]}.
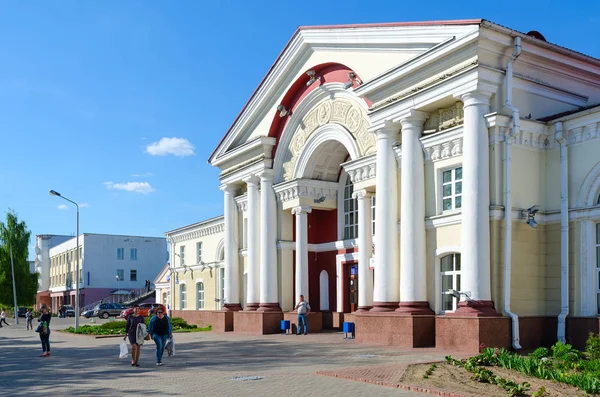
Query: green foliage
{"type": "Point", "coordinates": [540, 393]}
{"type": "Point", "coordinates": [114, 325]}
{"type": "Point", "coordinates": [429, 371]}
{"type": "Point", "coordinates": [178, 322]}
{"type": "Point", "coordinates": [565, 352]}
{"type": "Point", "coordinates": [15, 234]}
{"type": "Point", "coordinates": [540, 353]}
{"type": "Point", "coordinates": [118, 327]}
{"type": "Point", "coordinates": [592, 346]}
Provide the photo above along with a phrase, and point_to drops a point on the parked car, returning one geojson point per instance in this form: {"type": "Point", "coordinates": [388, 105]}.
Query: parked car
{"type": "Point", "coordinates": [146, 309]}
{"type": "Point", "coordinates": [105, 310]}
{"type": "Point", "coordinates": [88, 313]}
{"type": "Point", "coordinates": [22, 310]}
{"type": "Point", "coordinates": [69, 311]}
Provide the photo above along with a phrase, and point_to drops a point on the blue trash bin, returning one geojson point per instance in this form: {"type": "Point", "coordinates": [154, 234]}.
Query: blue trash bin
{"type": "Point", "coordinates": [285, 326]}
{"type": "Point", "coordinates": [348, 328]}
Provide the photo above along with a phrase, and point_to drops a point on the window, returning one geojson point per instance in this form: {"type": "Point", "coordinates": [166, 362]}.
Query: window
{"type": "Point", "coordinates": [182, 254]}
{"type": "Point", "coordinates": [120, 275]}
{"type": "Point", "coordinates": [598, 266]}
{"type": "Point", "coordinates": [121, 253]}
{"type": "Point", "coordinates": [164, 299]}
{"type": "Point", "coordinates": [200, 295]}
{"type": "Point", "coordinates": [373, 214]}
{"type": "Point", "coordinates": [133, 275]}
{"type": "Point", "coordinates": [182, 293]}
{"type": "Point", "coordinates": [199, 252]}
{"type": "Point", "coordinates": [452, 189]}
{"type": "Point", "coordinates": [133, 254]}
{"type": "Point", "coordinates": [350, 211]}
{"type": "Point", "coordinates": [450, 276]}
{"type": "Point", "coordinates": [221, 287]}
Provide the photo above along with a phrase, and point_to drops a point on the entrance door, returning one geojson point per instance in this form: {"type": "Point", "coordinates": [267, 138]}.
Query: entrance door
{"type": "Point", "coordinates": [353, 288]}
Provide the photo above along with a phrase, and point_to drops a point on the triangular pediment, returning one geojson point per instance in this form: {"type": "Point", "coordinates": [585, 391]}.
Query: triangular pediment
{"type": "Point", "coordinates": [368, 50]}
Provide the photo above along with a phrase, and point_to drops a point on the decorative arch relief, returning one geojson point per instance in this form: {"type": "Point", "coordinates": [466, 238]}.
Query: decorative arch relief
{"type": "Point", "coordinates": [337, 111]}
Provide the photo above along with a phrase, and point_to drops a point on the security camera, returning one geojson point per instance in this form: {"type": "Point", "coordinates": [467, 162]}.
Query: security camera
{"type": "Point", "coordinates": [533, 209]}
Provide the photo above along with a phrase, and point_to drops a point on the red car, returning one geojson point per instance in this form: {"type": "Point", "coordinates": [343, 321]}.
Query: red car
{"type": "Point", "coordinates": [146, 309]}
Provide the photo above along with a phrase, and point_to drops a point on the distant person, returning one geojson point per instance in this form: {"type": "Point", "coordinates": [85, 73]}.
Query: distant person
{"type": "Point", "coordinates": [3, 318]}
{"type": "Point", "coordinates": [161, 330]}
{"type": "Point", "coordinates": [131, 332]}
{"type": "Point", "coordinates": [29, 319]}
{"type": "Point", "coordinates": [303, 309]}
{"type": "Point", "coordinates": [44, 330]}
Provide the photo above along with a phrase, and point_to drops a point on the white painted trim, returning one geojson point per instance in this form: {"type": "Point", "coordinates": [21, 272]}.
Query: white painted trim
{"type": "Point", "coordinates": [339, 261]}
{"type": "Point", "coordinates": [590, 188]}
{"type": "Point", "coordinates": [284, 245]}
{"type": "Point", "coordinates": [200, 280]}
{"type": "Point", "coordinates": [340, 204]}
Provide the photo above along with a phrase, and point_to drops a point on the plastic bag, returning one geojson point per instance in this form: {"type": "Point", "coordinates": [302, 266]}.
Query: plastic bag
{"type": "Point", "coordinates": [170, 346]}
{"type": "Point", "coordinates": [124, 351]}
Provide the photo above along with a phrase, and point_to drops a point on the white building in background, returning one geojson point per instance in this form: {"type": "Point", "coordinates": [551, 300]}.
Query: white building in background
{"type": "Point", "coordinates": [107, 263]}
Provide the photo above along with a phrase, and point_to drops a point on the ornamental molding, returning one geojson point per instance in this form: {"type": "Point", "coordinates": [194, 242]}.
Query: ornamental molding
{"type": "Point", "coordinates": [338, 111]}
{"type": "Point", "coordinates": [298, 188]}
{"type": "Point", "coordinates": [242, 202]}
{"type": "Point", "coordinates": [362, 169]}
{"type": "Point", "coordinates": [443, 145]}
{"type": "Point", "coordinates": [196, 234]}
{"type": "Point", "coordinates": [446, 118]}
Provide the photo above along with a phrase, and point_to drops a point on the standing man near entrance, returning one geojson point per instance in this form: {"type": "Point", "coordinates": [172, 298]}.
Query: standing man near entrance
{"type": "Point", "coordinates": [303, 309]}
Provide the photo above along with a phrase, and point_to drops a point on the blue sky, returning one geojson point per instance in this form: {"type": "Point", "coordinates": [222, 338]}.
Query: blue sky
{"type": "Point", "coordinates": [93, 93]}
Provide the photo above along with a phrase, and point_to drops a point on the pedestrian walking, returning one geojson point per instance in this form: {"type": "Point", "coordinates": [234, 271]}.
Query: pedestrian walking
{"type": "Point", "coordinates": [3, 318]}
{"type": "Point", "coordinates": [29, 319]}
{"type": "Point", "coordinates": [44, 330]}
{"type": "Point", "coordinates": [161, 331]}
{"type": "Point", "coordinates": [303, 309]}
{"type": "Point", "coordinates": [131, 332]}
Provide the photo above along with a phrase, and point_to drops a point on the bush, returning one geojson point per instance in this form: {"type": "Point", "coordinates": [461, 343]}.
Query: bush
{"type": "Point", "coordinates": [592, 347]}
{"type": "Point", "coordinates": [114, 325]}
{"type": "Point", "coordinates": [540, 353]}
{"type": "Point", "coordinates": [565, 352]}
{"type": "Point", "coordinates": [178, 322]}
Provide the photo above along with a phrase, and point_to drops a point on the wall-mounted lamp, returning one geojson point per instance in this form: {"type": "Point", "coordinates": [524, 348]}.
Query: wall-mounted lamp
{"type": "Point", "coordinates": [352, 78]}
{"type": "Point", "coordinates": [282, 111]}
{"type": "Point", "coordinates": [529, 215]}
{"type": "Point", "coordinates": [458, 294]}
{"type": "Point", "coordinates": [313, 77]}
{"type": "Point", "coordinates": [319, 200]}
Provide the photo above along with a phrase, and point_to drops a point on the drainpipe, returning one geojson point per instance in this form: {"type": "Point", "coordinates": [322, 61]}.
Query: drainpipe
{"type": "Point", "coordinates": [508, 193]}
{"type": "Point", "coordinates": [564, 233]}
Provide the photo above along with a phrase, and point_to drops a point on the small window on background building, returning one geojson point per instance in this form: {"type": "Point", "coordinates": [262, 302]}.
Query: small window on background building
{"type": "Point", "coordinates": [199, 252]}
{"type": "Point", "coordinates": [182, 254]}
{"type": "Point", "coordinates": [133, 254]}
{"type": "Point", "coordinates": [133, 275]}
{"type": "Point", "coordinates": [452, 189]}
{"type": "Point", "coordinates": [120, 253]}
{"type": "Point", "coordinates": [120, 274]}
{"type": "Point", "coordinates": [183, 296]}
{"type": "Point", "coordinates": [200, 295]}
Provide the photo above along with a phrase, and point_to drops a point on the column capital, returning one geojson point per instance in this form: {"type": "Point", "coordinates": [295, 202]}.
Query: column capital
{"type": "Point", "coordinates": [266, 175]}
{"type": "Point", "coordinates": [388, 129]}
{"type": "Point", "coordinates": [362, 194]}
{"type": "Point", "coordinates": [251, 180]}
{"type": "Point", "coordinates": [414, 119]}
{"type": "Point", "coordinates": [228, 188]}
{"type": "Point", "coordinates": [476, 98]}
{"type": "Point", "coordinates": [303, 209]}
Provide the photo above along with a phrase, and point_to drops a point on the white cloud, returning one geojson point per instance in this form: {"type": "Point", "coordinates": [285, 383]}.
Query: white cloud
{"type": "Point", "coordinates": [179, 147]}
{"type": "Point", "coordinates": [144, 175]}
{"type": "Point", "coordinates": [84, 205]}
{"type": "Point", "coordinates": [63, 207]}
{"type": "Point", "coordinates": [137, 187]}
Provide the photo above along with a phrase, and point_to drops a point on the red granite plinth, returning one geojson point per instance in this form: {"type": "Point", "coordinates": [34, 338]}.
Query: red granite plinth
{"type": "Point", "coordinates": [383, 307]}
{"type": "Point", "coordinates": [314, 320]}
{"type": "Point", "coordinates": [250, 307]}
{"type": "Point", "coordinates": [269, 307]}
{"type": "Point", "coordinates": [537, 331]}
{"type": "Point", "coordinates": [415, 309]}
{"type": "Point", "coordinates": [395, 330]}
{"type": "Point", "coordinates": [337, 320]}
{"type": "Point", "coordinates": [578, 329]}
{"type": "Point", "coordinates": [232, 307]}
{"type": "Point", "coordinates": [475, 309]}
{"type": "Point", "coordinates": [257, 323]}
{"type": "Point", "coordinates": [466, 334]}
{"type": "Point", "coordinates": [221, 321]}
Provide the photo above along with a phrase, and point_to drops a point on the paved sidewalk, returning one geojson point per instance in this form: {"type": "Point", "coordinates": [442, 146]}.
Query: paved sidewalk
{"type": "Point", "coordinates": [204, 365]}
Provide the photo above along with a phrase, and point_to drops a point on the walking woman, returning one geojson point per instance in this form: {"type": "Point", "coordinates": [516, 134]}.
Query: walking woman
{"type": "Point", "coordinates": [44, 330]}
{"type": "Point", "coordinates": [131, 332]}
{"type": "Point", "coordinates": [161, 330]}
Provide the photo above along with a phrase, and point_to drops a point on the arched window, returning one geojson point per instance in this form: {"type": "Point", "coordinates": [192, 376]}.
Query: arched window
{"type": "Point", "coordinates": [182, 296]}
{"type": "Point", "coordinates": [450, 277]}
{"type": "Point", "coordinates": [324, 290]}
{"type": "Point", "coordinates": [200, 295]}
{"type": "Point", "coordinates": [350, 211]}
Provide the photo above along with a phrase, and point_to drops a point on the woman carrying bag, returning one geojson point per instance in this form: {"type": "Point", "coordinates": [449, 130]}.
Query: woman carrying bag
{"type": "Point", "coordinates": [161, 330]}
{"type": "Point", "coordinates": [131, 331]}
{"type": "Point", "coordinates": [44, 330]}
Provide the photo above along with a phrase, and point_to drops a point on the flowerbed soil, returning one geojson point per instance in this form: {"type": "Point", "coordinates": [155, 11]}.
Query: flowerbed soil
{"type": "Point", "coordinates": [450, 378]}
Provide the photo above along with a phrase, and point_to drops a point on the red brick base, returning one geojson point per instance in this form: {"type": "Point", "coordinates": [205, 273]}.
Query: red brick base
{"type": "Point", "coordinates": [395, 330]}
{"type": "Point", "coordinates": [221, 321]}
{"type": "Point", "coordinates": [314, 320]}
{"type": "Point", "coordinates": [466, 334]}
{"type": "Point", "coordinates": [578, 329]}
{"type": "Point", "coordinates": [257, 322]}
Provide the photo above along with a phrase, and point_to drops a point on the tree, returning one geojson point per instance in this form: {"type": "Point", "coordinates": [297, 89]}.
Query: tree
{"type": "Point", "coordinates": [15, 233]}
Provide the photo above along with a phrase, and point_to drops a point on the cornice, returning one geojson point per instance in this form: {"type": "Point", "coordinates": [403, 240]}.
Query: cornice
{"type": "Point", "coordinates": [361, 169]}
{"type": "Point", "coordinates": [198, 233]}
{"type": "Point", "coordinates": [297, 188]}
{"type": "Point", "coordinates": [242, 202]}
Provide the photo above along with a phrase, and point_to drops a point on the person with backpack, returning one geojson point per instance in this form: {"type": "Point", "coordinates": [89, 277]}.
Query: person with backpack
{"type": "Point", "coordinates": [44, 330]}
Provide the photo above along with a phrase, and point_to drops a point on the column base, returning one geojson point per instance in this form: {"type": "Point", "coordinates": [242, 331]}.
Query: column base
{"type": "Point", "coordinates": [250, 307]}
{"type": "Point", "coordinates": [314, 321]}
{"type": "Point", "coordinates": [415, 308]}
{"type": "Point", "coordinates": [383, 307]}
{"type": "Point", "coordinates": [469, 334]}
{"type": "Point", "coordinates": [269, 307]}
{"type": "Point", "coordinates": [232, 307]}
{"type": "Point", "coordinates": [392, 329]}
{"type": "Point", "coordinates": [363, 309]}
{"type": "Point", "coordinates": [257, 323]}
{"type": "Point", "coordinates": [476, 309]}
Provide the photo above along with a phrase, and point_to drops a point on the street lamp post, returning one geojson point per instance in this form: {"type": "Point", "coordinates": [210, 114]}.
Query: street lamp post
{"type": "Point", "coordinates": [55, 193]}
{"type": "Point", "coordinates": [12, 265]}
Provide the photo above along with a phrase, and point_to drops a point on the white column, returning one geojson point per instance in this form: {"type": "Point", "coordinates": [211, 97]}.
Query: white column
{"type": "Point", "coordinates": [387, 272]}
{"type": "Point", "coordinates": [475, 258]}
{"type": "Point", "coordinates": [232, 263]}
{"type": "Point", "coordinates": [268, 245]}
{"type": "Point", "coordinates": [413, 271]}
{"type": "Point", "coordinates": [253, 285]}
{"type": "Point", "coordinates": [301, 250]}
{"type": "Point", "coordinates": [365, 242]}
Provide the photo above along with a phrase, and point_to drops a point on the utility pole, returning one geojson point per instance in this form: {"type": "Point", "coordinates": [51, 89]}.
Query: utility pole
{"type": "Point", "coordinates": [12, 265]}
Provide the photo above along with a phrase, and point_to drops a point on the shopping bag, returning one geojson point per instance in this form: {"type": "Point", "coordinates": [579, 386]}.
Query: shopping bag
{"type": "Point", "coordinates": [170, 346]}
{"type": "Point", "coordinates": [124, 352]}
